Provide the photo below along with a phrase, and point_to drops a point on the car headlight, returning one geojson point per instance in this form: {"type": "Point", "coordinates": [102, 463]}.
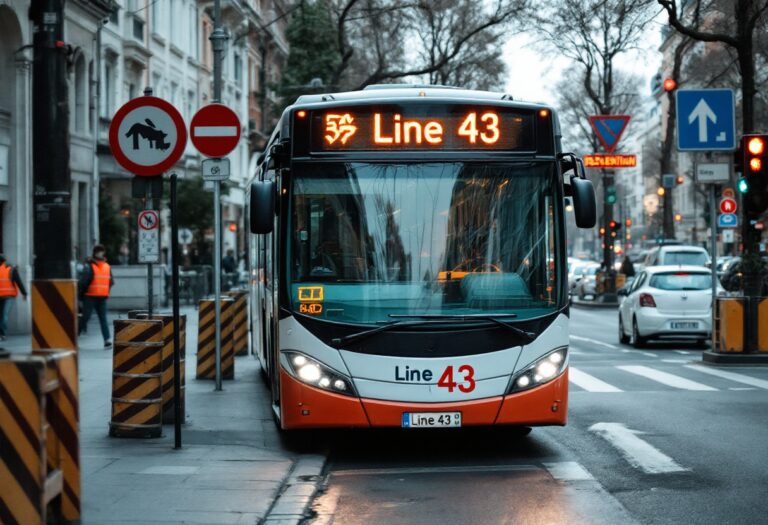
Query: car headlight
{"type": "Point", "coordinates": [312, 372]}
{"type": "Point", "coordinates": [541, 371]}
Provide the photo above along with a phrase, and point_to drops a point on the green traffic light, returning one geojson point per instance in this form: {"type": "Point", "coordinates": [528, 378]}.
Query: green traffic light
{"type": "Point", "coordinates": [742, 185]}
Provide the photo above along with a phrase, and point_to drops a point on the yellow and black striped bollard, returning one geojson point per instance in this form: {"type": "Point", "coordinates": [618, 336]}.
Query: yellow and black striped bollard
{"type": "Point", "coordinates": [240, 320]}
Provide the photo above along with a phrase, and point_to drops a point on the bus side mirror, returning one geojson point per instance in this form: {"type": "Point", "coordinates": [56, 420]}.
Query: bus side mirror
{"type": "Point", "coordinates": [262, 206]}
{"type": "Point", "coordinates": [584, 203]}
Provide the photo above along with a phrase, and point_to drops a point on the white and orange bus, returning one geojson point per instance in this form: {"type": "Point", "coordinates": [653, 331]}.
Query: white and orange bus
{"type": "Point", "coordinates": [408, 260]}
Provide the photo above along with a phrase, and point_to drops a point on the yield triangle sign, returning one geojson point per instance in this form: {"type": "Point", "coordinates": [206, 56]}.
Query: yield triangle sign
{"type": "Point", "coordinates": [608, 129]}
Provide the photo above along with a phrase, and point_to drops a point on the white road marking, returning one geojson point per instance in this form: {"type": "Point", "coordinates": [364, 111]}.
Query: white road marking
{"type": "Point", "coordinates": [741, 388]}
{"type": "Point", "coordinates": [568, 471]}
{"type": "Point", "coordinates": [215, 131]}
{"type": "Point", "coordinates": [594, 342]}
{"type": "Point", "coordinates": [650, 354]}
{"type": "Point", "coordinates": [675, 361]}
{"type": "Point", "coordinates": [638, 452]}
{"type": "Point", "coordinates": [684, 352]}
{"type": "Point", "coordinates": [588, 382]}
{"type": "Point", "coordinates": [626, 351]}
{"type": "Point", "coordinates": [665, 378]}
{"type": "Point", "coordinates": [738, 378]}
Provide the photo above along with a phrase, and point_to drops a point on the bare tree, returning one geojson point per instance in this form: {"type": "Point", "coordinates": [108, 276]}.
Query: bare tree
{"type": "Point", "coordinates": [440, 40]}
{"type": "Point", "coordinates": [594, 34]}
{"type": "Point", "coordinates": [734, 24]}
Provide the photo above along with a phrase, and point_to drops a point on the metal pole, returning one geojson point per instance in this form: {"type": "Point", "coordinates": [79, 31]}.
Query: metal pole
{"type": "Point", "coordinates": [176, 318]}
{"type": "Point", "coordinates": [150, 287]}
{"type": "Point", "coordinates": [218, 39]}
{"type": "Point", "coordinates": [713, 240]}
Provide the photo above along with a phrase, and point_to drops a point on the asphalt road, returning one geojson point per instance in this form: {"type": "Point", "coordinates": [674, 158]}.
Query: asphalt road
{"type": "Point", "coordinates": [653, 437]}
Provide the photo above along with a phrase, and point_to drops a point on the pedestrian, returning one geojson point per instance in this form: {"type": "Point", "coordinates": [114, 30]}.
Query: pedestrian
{"type": "Point", "coordinates": [10, 286]}
{"type": "Point", "coordinates": [228, 263]}
{"type": "Point", "coordinates": [627, 268]}
{"type": "Point", "coordinates": [94, 287]}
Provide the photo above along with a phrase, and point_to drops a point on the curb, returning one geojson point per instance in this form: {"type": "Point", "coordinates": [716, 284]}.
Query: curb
{"type": "Point", "coordinates": [297, 492]}
{"type": "Point", "coordinates": [715, 358]}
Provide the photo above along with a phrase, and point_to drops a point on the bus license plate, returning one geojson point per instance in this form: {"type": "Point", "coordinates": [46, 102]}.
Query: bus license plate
{"type": "Point", "coordinates": [431, 419]}
{"type": "Point", "coordinates": [684, 325]}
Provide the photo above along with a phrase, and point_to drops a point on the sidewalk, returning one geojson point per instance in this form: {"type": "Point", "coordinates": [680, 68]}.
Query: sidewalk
{"type": "Point", "coordinates": [231, 467]}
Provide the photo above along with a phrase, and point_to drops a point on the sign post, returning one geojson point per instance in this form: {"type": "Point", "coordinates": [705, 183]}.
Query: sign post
{"type": "Point", "coordinates": [215, 132]}
{"type": "Point", "coordinates": [147, 136]}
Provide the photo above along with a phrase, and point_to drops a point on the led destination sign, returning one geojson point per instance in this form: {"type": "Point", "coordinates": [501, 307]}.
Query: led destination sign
{"type": "Point", "coordinates": [422, 127]}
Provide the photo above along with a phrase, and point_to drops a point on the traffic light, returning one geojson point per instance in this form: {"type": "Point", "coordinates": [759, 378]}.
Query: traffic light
{"type": "Point", "coordinates": [680, 179]}
{"type": "Point", "coordinates": [602, 231]}
{"type": "Point", "coordinates": [628, 222]}
{"type": "Point", "coordinates": [754, 182]}
{"type": "Point", "coordinates": [669, 84]}
{"type": "Point", "coordinates": [610, 195]}
{"type": "Point", "coordinates": [661, 191]}
{"type": "Point", "coordinates": [614, 227]}
{"type": "Point", "coordinates": [678, 217]}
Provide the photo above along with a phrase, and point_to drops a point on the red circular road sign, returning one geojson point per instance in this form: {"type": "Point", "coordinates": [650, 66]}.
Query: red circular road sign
{"type": "Point", "coordinates": [149, 220]}
{"type": "Point", "coordinates": [215, 130]}
{"type": "Point", "coordinates": [147, 136]}
{"type": "Point", "coordinates": [728, 206]}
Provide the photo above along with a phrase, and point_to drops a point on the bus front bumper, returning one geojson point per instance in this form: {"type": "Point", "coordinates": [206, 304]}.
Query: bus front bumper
{"type": "Point", "coordinates": [304, 406]}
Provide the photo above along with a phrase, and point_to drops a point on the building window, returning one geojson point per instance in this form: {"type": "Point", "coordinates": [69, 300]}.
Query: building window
{"type": "Point", "coordinates": [110, 82]}
{"type": "Point", "coordinates": [238, 68]}
{"type": "Point", "coordinates": [138, 29]}
{"type": "Point", "coordinates": [81, 95]}
{"type": "Point", "coordinates": [113, 17]}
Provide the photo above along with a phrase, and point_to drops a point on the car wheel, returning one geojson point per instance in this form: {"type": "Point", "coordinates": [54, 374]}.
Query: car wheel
{"type": "Point", "coordinates": [623, 338]}
{"type": "Point", "coordinates": [702, 343]}
{"type": "Point", "coordinates": [637, 340]}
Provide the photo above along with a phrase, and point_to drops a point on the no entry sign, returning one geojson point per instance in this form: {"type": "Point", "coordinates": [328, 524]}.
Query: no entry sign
{"type": "Point", "coordinates": [215, 130]}
{"type": "Point", "coordinates": [147, 136]}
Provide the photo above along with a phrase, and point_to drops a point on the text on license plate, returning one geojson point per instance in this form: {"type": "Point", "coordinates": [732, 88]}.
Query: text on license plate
{"type": "Point", "coordinates": [684, 325]}
{"type": "Point", "coordinates": [431, 419]}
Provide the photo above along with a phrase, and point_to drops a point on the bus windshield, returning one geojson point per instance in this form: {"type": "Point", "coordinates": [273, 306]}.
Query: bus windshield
{"type": "Point", "coordinates": [372, 240]}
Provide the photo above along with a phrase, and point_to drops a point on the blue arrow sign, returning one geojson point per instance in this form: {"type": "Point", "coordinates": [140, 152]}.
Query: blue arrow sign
{"type": "Point", "coordinates": [705, 120]}
{"type": "Point", "coordinates": [727, 220]}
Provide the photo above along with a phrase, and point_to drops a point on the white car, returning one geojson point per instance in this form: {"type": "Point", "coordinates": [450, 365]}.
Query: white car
{"type": "Point", "coordinates": [677, 254]}
{"type": "Point", "coordinates": [667, 302]}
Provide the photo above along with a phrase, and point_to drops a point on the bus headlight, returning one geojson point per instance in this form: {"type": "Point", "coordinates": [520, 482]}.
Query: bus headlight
{"type": "Point", "coordinates": [540, 371]}
{"type": "Point", "coordinates": [312, 372]}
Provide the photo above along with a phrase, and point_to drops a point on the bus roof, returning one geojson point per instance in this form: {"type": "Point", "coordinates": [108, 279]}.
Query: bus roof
{"type": "Point", "coordinates": [406, 91]}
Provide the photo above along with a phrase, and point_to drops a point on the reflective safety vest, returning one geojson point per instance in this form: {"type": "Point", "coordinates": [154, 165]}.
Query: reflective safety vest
{"type": "Point", "coordinates": [99, 286]}
{"type": "Point", "coordinates": [7, 286]}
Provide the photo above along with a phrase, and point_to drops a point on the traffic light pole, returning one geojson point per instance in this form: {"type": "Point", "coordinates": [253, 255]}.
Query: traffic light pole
{"type": "Point", "coordinates": [50, 144]}
{"type": "Point", "coordinates": [609, 282]}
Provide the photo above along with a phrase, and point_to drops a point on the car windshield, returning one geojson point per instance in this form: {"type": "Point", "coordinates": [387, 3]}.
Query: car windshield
{"type": "Point", "coordinates": [592, 270]}
{"type": "Point", "coordinates": [374, 240]}
{"type": "Point", "coordinates": [686, 258]}
{"type": "Point", "coordinates": [681, 281]}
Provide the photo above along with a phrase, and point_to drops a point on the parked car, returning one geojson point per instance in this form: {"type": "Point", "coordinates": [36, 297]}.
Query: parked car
{"type": "Point", "coordinates": [667, 302]}
{"type": "Point", "coordinates": [676, 255]}
{"type": "Point", "coordinates": [576, 272]}
{"type": "Point", "coordinates": [587, 284]}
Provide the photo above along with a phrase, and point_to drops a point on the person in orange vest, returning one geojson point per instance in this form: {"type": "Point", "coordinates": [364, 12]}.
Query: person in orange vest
{"type": "Point", "coordinates": [10, 286]}
{"type": "Point", "coordinates": [94, 287]}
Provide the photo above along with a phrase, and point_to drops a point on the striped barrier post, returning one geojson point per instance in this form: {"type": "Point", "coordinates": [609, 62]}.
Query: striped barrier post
{"type": "Point", "coordinates": [34, 445]}
{"type": "Point", "coordinates": [54, 314]}
{"type": "Point", "coordinates": [64, 420]}
{"type": "Point", "coordinates": [240, 320]}
{"type": "Point", "coordinates": [206, 340]}
{"type": "Point", "coordinates": [137, 369]}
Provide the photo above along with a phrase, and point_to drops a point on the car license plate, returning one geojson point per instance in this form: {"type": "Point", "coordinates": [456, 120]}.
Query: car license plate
{"type": "Point", "coordinates": [431, 419]}
{"type": "Point", "coordinates": [684, 325]}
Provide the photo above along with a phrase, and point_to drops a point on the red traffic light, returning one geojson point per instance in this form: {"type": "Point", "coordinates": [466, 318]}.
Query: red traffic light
{"type": "Point", "coordinates": [669, 84]}
{"type": "Point", "coordinates": [613, 225]}
{"type": "Point", "coordinates": [755, 164]}
{"type": "Point", "coordinates": [756, 145]}
{"type": "Point", "coordinates": [628, 222]}
{"type": "Point", "coordinates": [680, 179]}
{"type": "Point", "coordinates": [602, 232]}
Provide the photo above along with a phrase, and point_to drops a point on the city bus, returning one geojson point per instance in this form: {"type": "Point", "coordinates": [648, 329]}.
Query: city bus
{"type": "Point", "coordinates": [408, 260]}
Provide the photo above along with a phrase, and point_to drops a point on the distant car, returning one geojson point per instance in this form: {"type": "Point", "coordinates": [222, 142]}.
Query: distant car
{"type": "Point", "coordinates": [587, 284]}
{"type": "Point", "coordinates": [667, 302]}
{"type": "Point", "coordinates": [576, 272]}
{"type": "Point", "coordinates": [677, 255]}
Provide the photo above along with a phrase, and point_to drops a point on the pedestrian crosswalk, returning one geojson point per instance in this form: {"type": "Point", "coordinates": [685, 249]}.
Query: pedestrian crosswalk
{"type": "Point", "coordinates": [667, 376]}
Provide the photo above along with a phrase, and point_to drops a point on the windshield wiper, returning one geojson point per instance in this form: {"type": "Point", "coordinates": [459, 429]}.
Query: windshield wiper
{"type": "Point", "coordinates": [383, 328]}
{"type": "Point", "coordinates": [494, 318]}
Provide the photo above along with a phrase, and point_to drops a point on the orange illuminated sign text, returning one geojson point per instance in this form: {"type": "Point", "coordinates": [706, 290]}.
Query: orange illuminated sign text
{"type": "Point", "coordinates": [610, 161]}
